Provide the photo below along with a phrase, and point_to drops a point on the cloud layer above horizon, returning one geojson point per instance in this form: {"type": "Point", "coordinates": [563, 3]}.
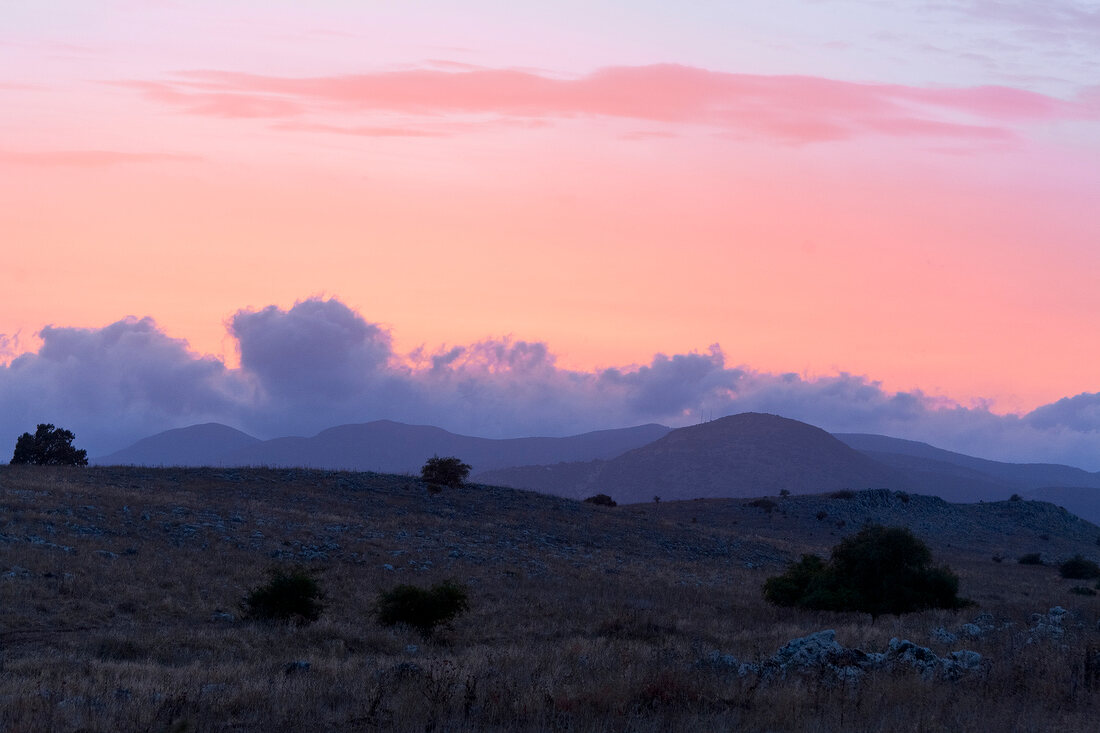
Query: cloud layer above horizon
{"type": "Point", "coordinates": [320, 363]}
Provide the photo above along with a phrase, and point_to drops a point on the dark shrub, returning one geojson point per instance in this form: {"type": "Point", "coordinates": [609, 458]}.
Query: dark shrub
{"type": "Point", "coordinates": [843, 494]}
{"type": "Point", "coordinates": [1031, 558]}
{"type": "Point", "coordinates": [766, 504]}
{"type": "Point", "coordinates": [290, 595]}
{"type": "Point", "coordinates": [1082, 590]}
{"type": "Point", "coordinates": [601, 500]}
{"type": "Point", "coordinates": [448, 471]}
{"type": "Point", "coordinates": [792, 586]}
{"type": "Point", "coordinates": [879, 570]}
{"type": "Point", "coordinates": [903, 497]}
{"type": "Point", "coordinates": [1078, 568]}
{"type": "Point", "coordinates": [1015, 497]}
{"type": "Point", "coordinates": [821, 515]}
{"type": "Point", "coordinates": [422, 609]}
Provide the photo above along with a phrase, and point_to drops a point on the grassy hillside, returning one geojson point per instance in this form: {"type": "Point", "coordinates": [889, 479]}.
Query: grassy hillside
{"type": "Point", "coordinates": [119, 592]}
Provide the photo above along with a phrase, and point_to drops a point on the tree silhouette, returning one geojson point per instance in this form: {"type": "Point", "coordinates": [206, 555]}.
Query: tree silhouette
{"type": "Point", "coordinates": [49, 446]}
{"type": "Point", "coordinates": [445, 471]}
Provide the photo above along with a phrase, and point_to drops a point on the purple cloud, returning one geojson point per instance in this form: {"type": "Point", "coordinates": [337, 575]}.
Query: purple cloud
{"type": "Point", "coordinates": [321, 363]}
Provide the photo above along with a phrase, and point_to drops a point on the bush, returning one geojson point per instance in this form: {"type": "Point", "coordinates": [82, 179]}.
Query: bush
{"type": "Point", "coordinates": [601, 500]}
{"type": "Point", "coordinates": [422, 609]}
{"type": "Point", "coordinates": [290, 595]}
{"type": "Point", "coordinates": [843, 494]}
{"type": "Point", "coordinates": [448, 471]}
{"type": "Point", "coordinates": [49, 446]}
{"type": "Point", "coordinates": [1082, 590]}
{"type": "Point", "coordinates": [766, 504]}
{"type": "Point", "coordinates": [1031, 558]}
{"type": "Point", "coordinates": [879, 570]}
{"type": "Point", "coordinates": [1078, 568]}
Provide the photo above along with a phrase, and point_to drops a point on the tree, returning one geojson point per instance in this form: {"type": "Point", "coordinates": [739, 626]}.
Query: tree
{"type": "Point", "coordinates": [878, 570]}
{"type": "Point", "coordinates": [448, 471]}
{"type": "Point", "coordinates": [49, 446]}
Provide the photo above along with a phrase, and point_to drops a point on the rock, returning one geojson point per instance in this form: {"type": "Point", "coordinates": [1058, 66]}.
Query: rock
{"type": "Point", "coordinates": [296, 666]}
{"type": "Point", "coordinates": [821, 656]}
{"type": "Point", "coordinates": [943, 636]}
{"type": "Point", "coordinates": [971, 630]}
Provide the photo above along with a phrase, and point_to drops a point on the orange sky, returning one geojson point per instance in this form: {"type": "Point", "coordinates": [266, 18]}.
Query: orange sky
{"type": "Point", "coordinates": [936, 234]}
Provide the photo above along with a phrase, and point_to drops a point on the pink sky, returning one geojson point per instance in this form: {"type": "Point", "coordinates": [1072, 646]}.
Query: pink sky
{"type": "Point", "coordinates": [826, 187]}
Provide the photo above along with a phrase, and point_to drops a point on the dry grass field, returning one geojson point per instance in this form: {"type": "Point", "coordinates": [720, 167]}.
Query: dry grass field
{"type": "Point", "coordinates": [120, 592]}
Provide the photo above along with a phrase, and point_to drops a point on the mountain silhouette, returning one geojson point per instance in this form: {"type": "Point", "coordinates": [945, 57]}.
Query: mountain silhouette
{"type": "Point", "coordinates": [383, 446]}
{"type": "Point", "coordinates": [939, 472]}
{"type": "Point", "coordinates": [191, 446]}
{"type": "Point", "coordinates": [750, 454]}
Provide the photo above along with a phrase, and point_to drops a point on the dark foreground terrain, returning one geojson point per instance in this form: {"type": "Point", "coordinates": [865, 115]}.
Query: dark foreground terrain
{"type": "Point", "coordinates": [120, 591]}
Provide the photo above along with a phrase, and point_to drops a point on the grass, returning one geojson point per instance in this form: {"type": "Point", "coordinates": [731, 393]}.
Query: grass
{"type": "Point", "coordinates": [119, 595]}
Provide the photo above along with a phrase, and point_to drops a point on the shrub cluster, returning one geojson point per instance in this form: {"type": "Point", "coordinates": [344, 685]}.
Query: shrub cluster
{"type": "Point", "coordinates": [879, 570]}
{"type": "Point", "coordinates": [601, 500]}
{"type": "Point", "coordinates": [422, 609]}
{"type": "Point", "coordinates": [1031, 558]}
{"type": "Point", "coordinates": [1078, 568]}
{"type": "Point", "coordinates": [290, 595]}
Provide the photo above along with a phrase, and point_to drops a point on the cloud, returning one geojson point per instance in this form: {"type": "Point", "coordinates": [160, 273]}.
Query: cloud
{"type": "Point", "coordinates": [792, 109]}
{"type": "Point", "coordinates": [361, 130]}
{"type": "Point", "coordinates": [114, 383]}
{"type": "Point", "coordinates": [1080, 413]}
{"type": "Point", "coordinates": [86, 158]}
{"type": "Point", "coordinates": [320, 363]}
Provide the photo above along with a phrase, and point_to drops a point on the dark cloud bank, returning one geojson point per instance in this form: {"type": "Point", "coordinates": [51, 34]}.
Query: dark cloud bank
{"type": "Point", "coordinates": [321, 364]}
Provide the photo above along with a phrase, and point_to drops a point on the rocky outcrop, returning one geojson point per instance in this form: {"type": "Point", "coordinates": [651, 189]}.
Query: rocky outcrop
{"type": "Point", "coordinates": [821, 655]}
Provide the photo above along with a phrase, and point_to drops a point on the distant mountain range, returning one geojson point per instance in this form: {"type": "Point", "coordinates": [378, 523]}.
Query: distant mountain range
{"type": "Point", "coordinates": [745, 455]}
{"type": "Point", "coordinates": [383, 446]}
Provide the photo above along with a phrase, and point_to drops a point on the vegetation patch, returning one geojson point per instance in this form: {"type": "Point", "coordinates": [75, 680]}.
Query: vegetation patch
{"type": "Point", "coordinates": [289, 595]}
{"type": "Point", "coordinates": [878, 570]}
{"type": "Point", "coordinates": [1031, 558]}
{"type": "Point", "coordinates": [421, 608]}
{"type": "Point", "coordinates": [601, 500]}
{"type": "Point", "coordinates": [766, 504]}
{"type": "Point", "coordinates": [1078, 568]}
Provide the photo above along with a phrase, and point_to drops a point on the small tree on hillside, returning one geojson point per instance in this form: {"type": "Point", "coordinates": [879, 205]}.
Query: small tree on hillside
{"type": "Point", "coordinates": [879, 570]}
{"type": "Point", "coordinates": [49, 446]}
{"type": "Point", "coordinates": [445, 471]}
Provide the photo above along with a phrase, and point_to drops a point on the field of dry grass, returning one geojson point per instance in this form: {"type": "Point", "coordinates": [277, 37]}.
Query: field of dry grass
{"type": "Point", "coordinates": [119, 593]}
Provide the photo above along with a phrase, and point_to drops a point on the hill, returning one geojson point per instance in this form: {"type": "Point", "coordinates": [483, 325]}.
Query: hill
{"type": "Point", "coordinates": [382, 445]}
{"type": "Point", "coordinates": [1023, 476]}
{"type": "Point", "coordinates": [196, 445]}
{"type": "Point", "coordinates": [581, 617]}
{"type": "Point", "coordinates": [750, 454]}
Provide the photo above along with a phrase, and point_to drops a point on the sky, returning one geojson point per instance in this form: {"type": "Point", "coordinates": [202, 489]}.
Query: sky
{"type": "Point", "coordinates": [516, 218]}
